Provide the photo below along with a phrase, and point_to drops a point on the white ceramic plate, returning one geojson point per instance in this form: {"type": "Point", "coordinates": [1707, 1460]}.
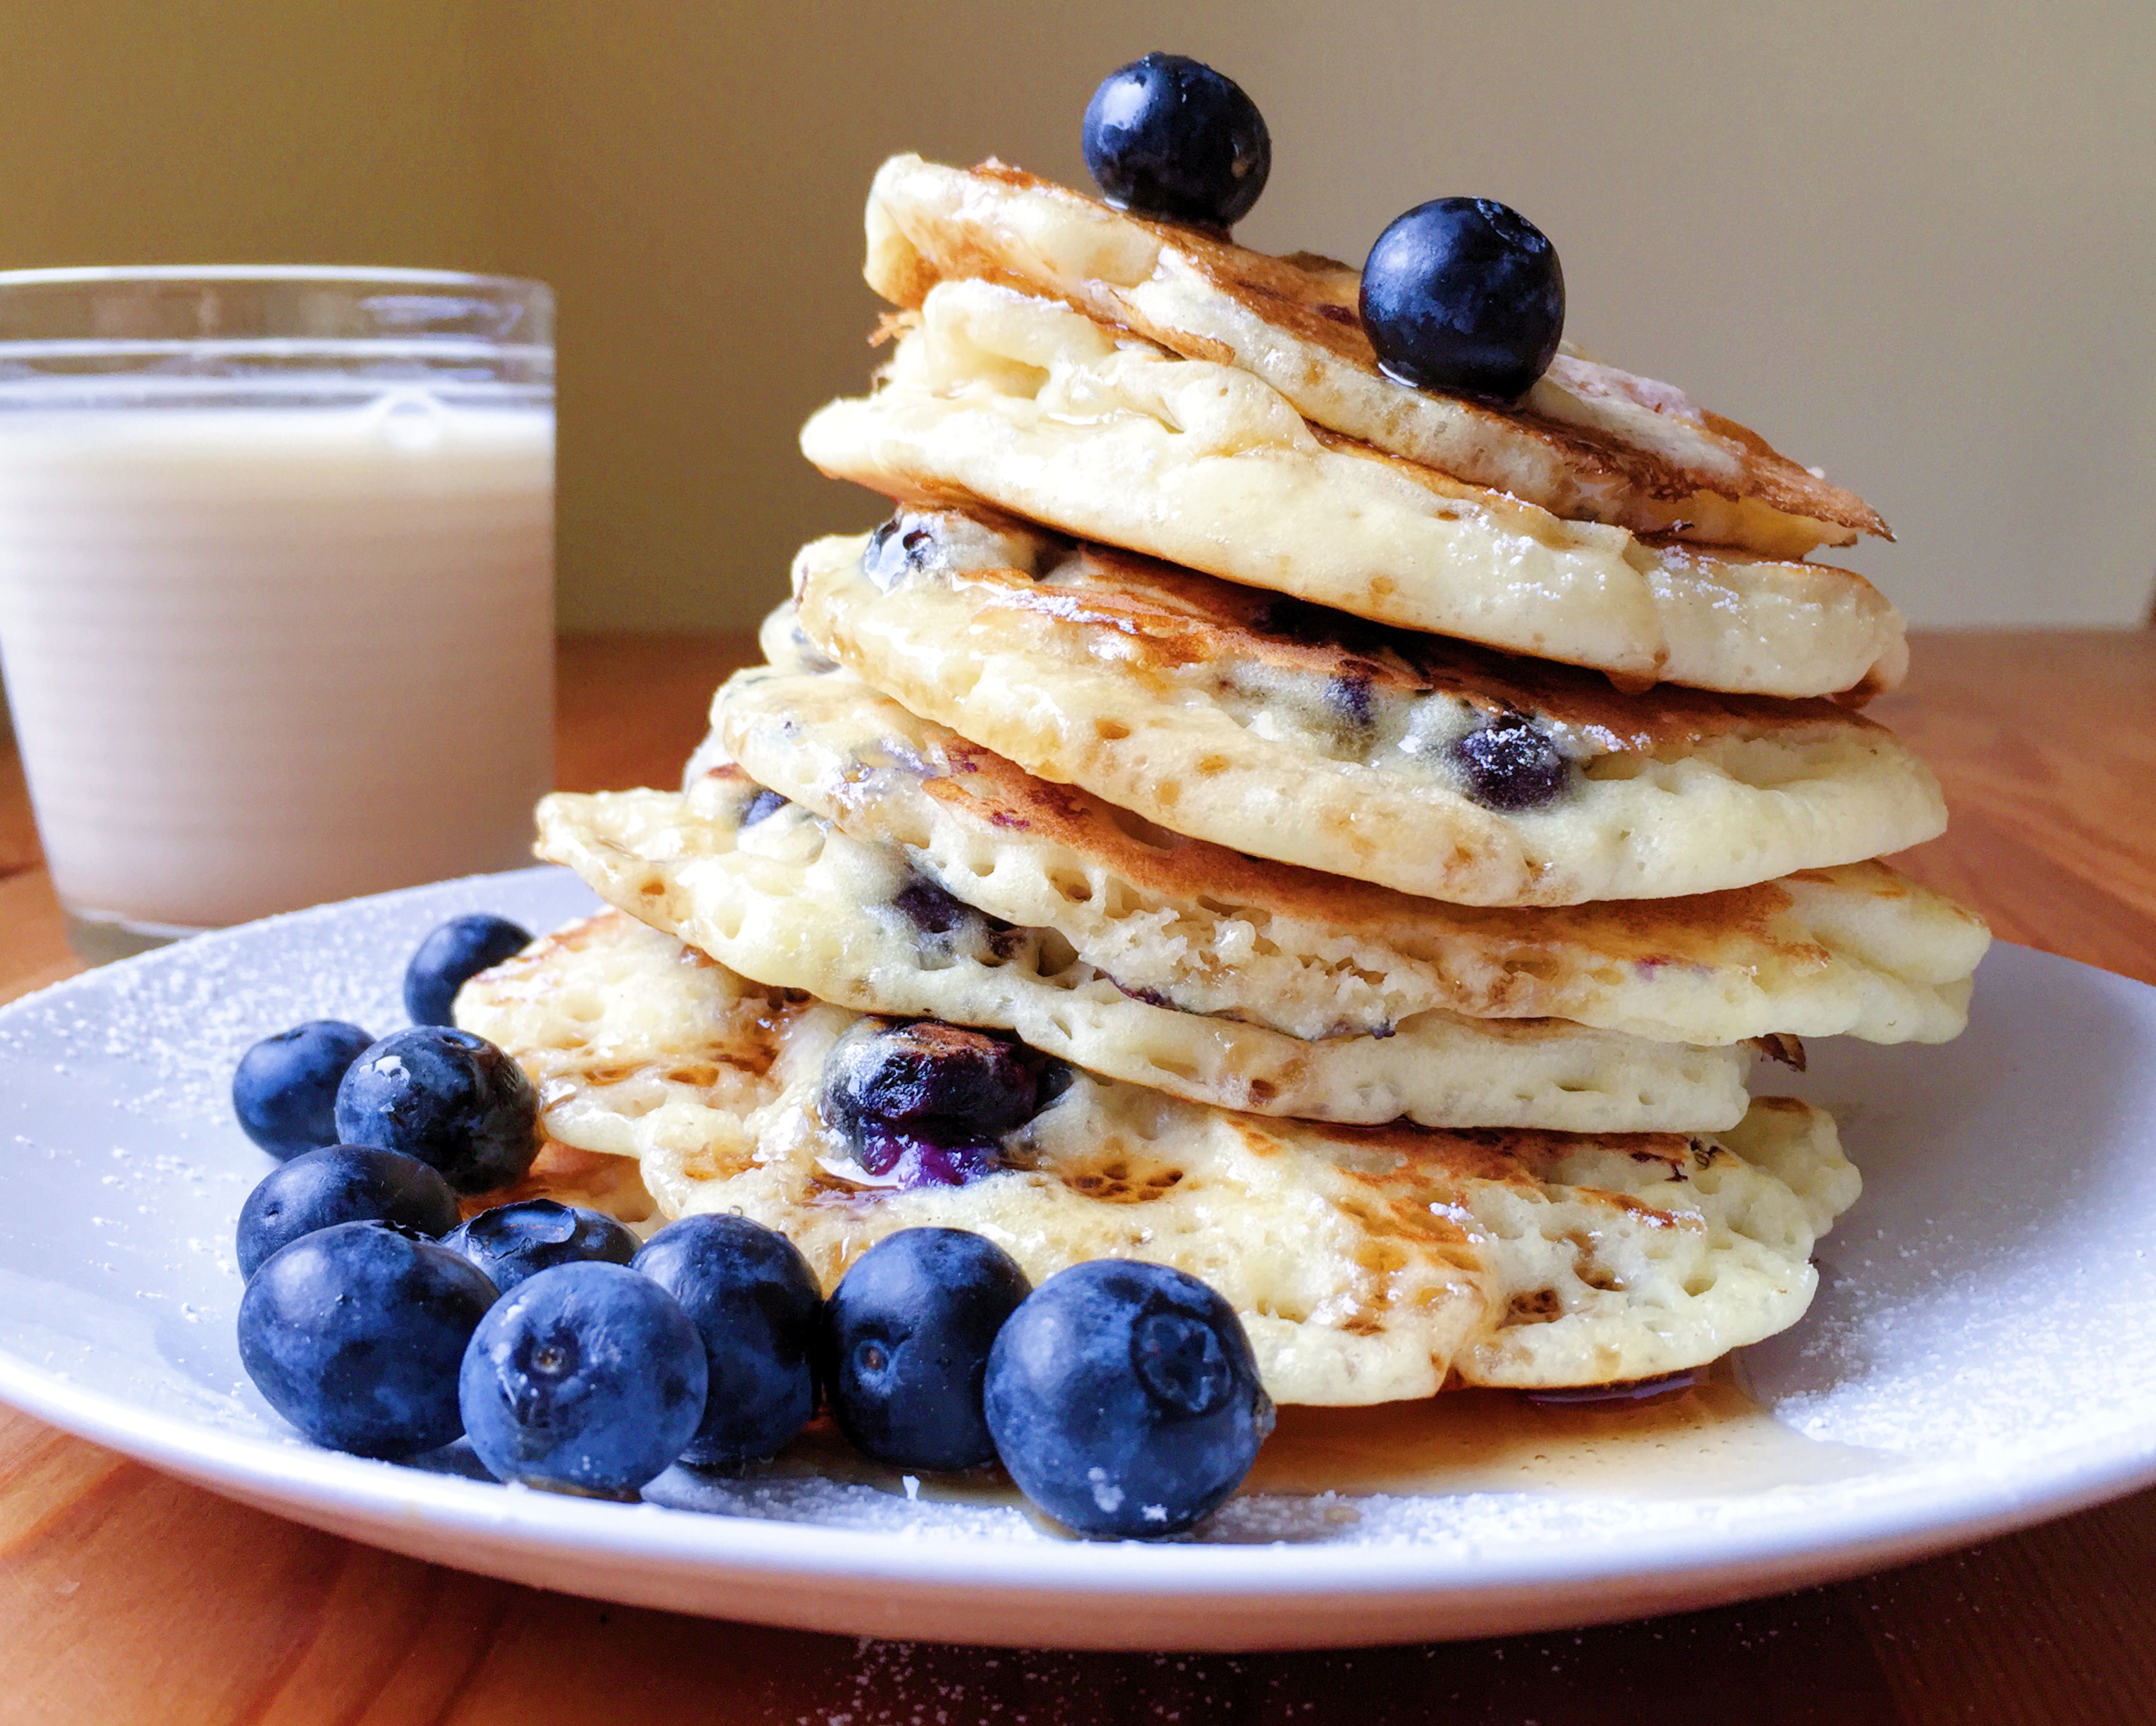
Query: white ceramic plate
{"type": "Point", "coordinates": [1982, 1354]}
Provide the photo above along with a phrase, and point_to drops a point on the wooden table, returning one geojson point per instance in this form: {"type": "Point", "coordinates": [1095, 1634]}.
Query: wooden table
{"type": "Point", "coordinates": [126, 1597]}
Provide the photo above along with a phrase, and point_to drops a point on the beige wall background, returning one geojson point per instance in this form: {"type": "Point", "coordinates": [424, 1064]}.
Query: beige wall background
{"type": "Point", "coordinates": [1913, 242]}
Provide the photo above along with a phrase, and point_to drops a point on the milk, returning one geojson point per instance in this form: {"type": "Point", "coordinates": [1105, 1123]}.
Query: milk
{"type": "Point", "coordinates": [263, 655]}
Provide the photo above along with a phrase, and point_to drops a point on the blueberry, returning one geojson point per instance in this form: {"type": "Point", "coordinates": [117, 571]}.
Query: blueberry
{"type": "Point", "coordinates": [354, 1333]}
{"type": "Point", "coordinates": [906, 1338]}
{"type": "Point", "coordinates": [341, 1183]}
{"type": "Point", "coordinates": [1351, 699]}
{"type": "Point", "coordinates": [1511, 765]}
{"type": "Point", "coordinates": [895, 550]}
{"type": "Point", "coordinates": [460, 948]}
{"type": "Point", "coordinates": [1169, 136]}
{"type": "Point", "coordinates": [284, 1088]}
{"type": "Point", "coordinates": [512, 1242]}
{"type": "Point", "coordinates": [928, 1099]}
{"type": "Point", "coordinates": [932, 910]}
{"type": "Point", "coordinates": [761, 806]}
{"type": "Point", "coordinates": [755, 1302]}
{"type": "Point", "coordinates": [1463, 293]}
{"type": "Point", "coordinates": [587, 1378]}
{"type": "Point", "coordinates": [1124, 1399]}
{"type": "Point", "coordinates": [446, 1097]}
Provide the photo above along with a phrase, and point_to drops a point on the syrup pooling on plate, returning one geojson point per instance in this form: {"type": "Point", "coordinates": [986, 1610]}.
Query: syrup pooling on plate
{"type": "Point", "coordinates": [1710, 1440]}
{"type": "Point", "coordinates": [1714, 1439]}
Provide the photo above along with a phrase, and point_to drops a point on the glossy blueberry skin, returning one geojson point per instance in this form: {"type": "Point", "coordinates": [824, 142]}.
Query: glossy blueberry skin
{"type": "Point", "coordinates": [284, 1088]}
{"type": "Point", "coordinates": [1124, 1399]}
{"type": "Point", "coordinates": [755, 1304]}
{"type": "Point", "coordinates": [448, 1098]}
{"type": "Point", "coordinates": [1464, 294]}
{"type": "Point", "coordinates": [512, 1242]}
{"type": "Point", "coordinates": [1171, 137]}
{"type": "Point", "coordinates": [459, 949]}
{"type": "Point", "coordinates": [907, 1336]}
{"type": "Point", "coordinates": [354, 1333]}
{"type": "Point", "coordinates": [586, 1378]}
{"type": "Point", "coordinates": [341, 1183]}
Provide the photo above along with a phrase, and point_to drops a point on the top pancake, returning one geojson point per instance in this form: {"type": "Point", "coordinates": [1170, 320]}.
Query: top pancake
{"type": "Point", "coordinates": [1587, 441]}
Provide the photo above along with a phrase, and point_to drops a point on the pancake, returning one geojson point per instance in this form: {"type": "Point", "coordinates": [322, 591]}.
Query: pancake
{"type": "Point", "coordinates": [1368, 1264]}
{"type": "Point", "coordinates": [1858, 950]}
{"type": "Point", "coordinates": [1589, 442]}
{"type": "Point", "coordinates": [781, 895]}
{"type": "Point", "coordinates": [1286, 732]}
{"type": "Point", "coordinates": [1022, 403]}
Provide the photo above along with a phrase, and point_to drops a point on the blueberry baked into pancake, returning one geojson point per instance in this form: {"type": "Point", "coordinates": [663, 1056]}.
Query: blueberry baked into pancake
{"type": "Point", "coordinates": [1268, 879]}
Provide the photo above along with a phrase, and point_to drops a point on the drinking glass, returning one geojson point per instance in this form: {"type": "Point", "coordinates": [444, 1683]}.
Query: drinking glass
{"type": "Point", "coordinates": [276, 583]}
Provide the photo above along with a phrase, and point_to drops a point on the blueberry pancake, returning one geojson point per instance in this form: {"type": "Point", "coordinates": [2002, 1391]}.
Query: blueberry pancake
{"type": "Point", "coordinates": [1367, 1264]}
{"type": "Point", "coordinates": [781, 895]}
{"type": "Point", "coordinates": [1022, 404]}
{"type": "Point", "coordinates": [1278, 728]}
{"type": "Point", "coordinates": [1587, 441]}
{"type": "Point", "coordinates": [1860, 949]}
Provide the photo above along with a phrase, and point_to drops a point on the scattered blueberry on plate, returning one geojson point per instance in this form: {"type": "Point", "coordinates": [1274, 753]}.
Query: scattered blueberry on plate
{"type": "Point", "coordinates": [341, 1183]}
{"type": "Point", "coordinates": [586, 1378]}
{"type": "Point", "coordinates": [1463, 293]}
{"type": "Point", "coordinates": [450, 955]}
{"type": "Point", "coordinates": [755, 1304]}
{"type": "Point", "coordinates": [446, 1097]}
{"type": "Point", "coordinates": [355, 1334]}
{"type": "Point", "coordinates": [1170, 136]}
{"type": "Point", "coordinates": [1124, 1399]}
{"type": "Point", "coordinates": [284, 1088]}
{"type": "Point", "coordinates": [907, 1333]}
{"type": "Point", "coordinates": [512, 1242]}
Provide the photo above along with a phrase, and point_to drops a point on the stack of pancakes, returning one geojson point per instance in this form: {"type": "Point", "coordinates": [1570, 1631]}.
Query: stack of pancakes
{"type": "Point", "coordinates": [1386, 827]}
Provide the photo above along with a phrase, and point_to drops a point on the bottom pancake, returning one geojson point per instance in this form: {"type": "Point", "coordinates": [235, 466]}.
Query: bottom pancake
{"type": "Point", "coordinates": [1368, 1264]}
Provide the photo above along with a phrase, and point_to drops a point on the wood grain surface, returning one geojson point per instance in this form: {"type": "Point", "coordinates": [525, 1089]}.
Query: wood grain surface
{"type": "Point", "coordinates": [126, 1597]}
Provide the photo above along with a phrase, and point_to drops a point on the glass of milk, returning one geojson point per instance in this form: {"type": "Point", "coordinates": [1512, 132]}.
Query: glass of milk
{"type": "Point", "coordinates": [276, 583]}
